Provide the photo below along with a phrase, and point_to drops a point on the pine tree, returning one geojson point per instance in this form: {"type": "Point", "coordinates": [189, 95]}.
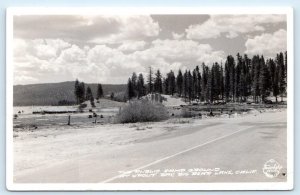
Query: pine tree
{"type": "Point", "coordinates": [77, 91]}
{"type": "Point", "coordinates": [81, 92]}
{"type": "Point", "coordinates": [172, 82]}
{"type": "Point", "coordinates": [264, 79]}
{"type": "Point", "coordinates": [256, 75]}
{"type": "Point", "coordinates": [195, 84]}
{"type": "Point", "coordinates": [274, 78]}
{"type": "Point", "coordinates": [227, 82]}
{"type": "Point", "coordinates": [158, 82]}
{"type": "Point", "coordinates": [212, 81]}
{"type": "Point", "coordinates": [209, 86]}
{"type": "Point", "coordinates": [198, 81]}
{"type": "Point", "coordinates": [166, 85]}
{"type": "Point", "coordinates": [282, 74]}
{"type": "Point", "coordinates": [141, 86]}
{"type": "Point", "coordinates": [134, 83]}
{"type": "Point", "coordinates": [185, 84]}
{"type": "Point", "coordinates": [216, 82]}
{"type": "Point", "coordinates": [247, 75]}
{"type": "Point", "coordinates": [179, 82]}
{"type": "Point", "coordinates": [189, 85]}
{"type": "Point", "coordinates": [285, 65]}
{"type": "Point", "coordinates": [238, 77]}
{"type": "Point", "coordinates": [99, 91]}
{"type": "Point", "coordinates": [89, 93]}
{"type": "Point", "coordinates": [205, 71]}
{"type": "Point", "coordinates": [230, 78]}
{"type": "Point", "coordinates": [222, 88]}
{"type": "Point", "coordinates": [130, 89]}
{"type": "Point", "coordinates": [150, 80]}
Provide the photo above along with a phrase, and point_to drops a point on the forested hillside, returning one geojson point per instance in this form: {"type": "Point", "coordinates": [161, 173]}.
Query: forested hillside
{"type": "Point", "coordinates": [237, 80]}
{"type": "Point", "coordinates": [52, 93]}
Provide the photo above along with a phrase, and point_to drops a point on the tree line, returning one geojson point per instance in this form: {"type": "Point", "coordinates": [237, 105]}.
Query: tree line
{"type": "Point", "coordinates": [237, 80]}
{"type": "Point", "coordinates": [85, 94]}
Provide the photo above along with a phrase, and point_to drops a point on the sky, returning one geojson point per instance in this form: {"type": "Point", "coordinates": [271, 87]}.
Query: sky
{"type": "Point", "coordinates": [108, 48]}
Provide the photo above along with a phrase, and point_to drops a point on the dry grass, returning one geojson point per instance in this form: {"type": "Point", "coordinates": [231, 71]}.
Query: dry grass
{"type": "Point", "coordinates": [142, 111]}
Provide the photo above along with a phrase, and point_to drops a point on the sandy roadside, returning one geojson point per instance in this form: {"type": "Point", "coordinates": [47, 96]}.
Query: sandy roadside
{"type": "Point", "coordinates": [46, 147]}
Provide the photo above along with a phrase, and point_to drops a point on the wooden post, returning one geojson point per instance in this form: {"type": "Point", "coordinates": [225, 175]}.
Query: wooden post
{"type": "Point", "coordinates": [69, 120]}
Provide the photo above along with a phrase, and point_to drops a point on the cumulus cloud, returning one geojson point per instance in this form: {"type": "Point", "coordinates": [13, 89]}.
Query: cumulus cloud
{"type": "Point", "coordinates": [187, 50]}
{"type": "Point", "coordinates": [94, 29]}
{"type": "Point", "coordinates": [41, 48]}
{"type": "Point", "coordinates": [107, 49]}
{"type": "Point", "coordinates": [132, 45]}
{"type": "Point", "coordinates": [105, 64]}
{"type": "Point", "coordinates": [134, 27]}
{"type": "Point", "coordinates": [177, 36]}
{"type": "Point", "coordinates": [231, 25]}
{"type": "Point", "coordinates": [35, 57]}
{"type": "Point", "coordinates": [267, 43]}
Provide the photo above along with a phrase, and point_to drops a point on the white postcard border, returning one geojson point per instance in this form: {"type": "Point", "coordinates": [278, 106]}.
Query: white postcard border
{"type": "Point", "coordinates": [147, 186]}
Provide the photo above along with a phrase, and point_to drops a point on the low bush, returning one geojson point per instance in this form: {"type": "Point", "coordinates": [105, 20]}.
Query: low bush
{"type": "Point", "coordinates": [185, 113]}
{"type": "Point", "coordinates": [120, 97]}
{"type": "Point", "coordinates": [142, 111]}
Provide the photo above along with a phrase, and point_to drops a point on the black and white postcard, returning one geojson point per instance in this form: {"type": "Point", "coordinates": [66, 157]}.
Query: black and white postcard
{"type": "Point", "coordinates": [150, 98]}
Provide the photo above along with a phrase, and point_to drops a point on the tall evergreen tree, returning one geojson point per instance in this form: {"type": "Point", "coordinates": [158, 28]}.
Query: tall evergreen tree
{"type": "Point", "coordinates": [141, 86]}
{"type": "Point", "coordinates": [81, 92]}
{"type": "Point", "coordinates": [264, 79]}
{"type": "Point", "coordinates": [256, 75]}
{"type": "Point", "coordinates": [216, 81]}
{"type": "Point", "coordinates": [209, 94]}
{"type": "Point", "coordinates": [89, 93]}
{"type": "Point", "coordinates": [247, 75]}
{"type": "Point", "coordinates": [194, 84]}
{"type": "Point", "coordinates": [230, 78]}
{"type": "Point", "coordinates": [274, 78]}
{"type": "Point", "coordinates": [150, 80]}
{"type": "Point", "coordinates": [99, 91]}
{"type": "Point", "coordinates": [172, 82]}
{"type": "Point", "coordinates": [227, 82]}
{"type": "Point", "coordinates": [77, 91]}
{"type": "Point", "coordinates": [205, 71]}
{"type": "Point", "coordinates": [179, 82]}
{"type": "Point", "coordinates": [134, 83]}
{"type": "Point", "coordinates": [285, 65]}
{"type": "Point", "coordinates": [282, 74]}
{"type": "Point", "coordinates": [158, 82]}
{"type": "Point", "coordinates": [130, 89]}
{"type": "Point", "coordinates": [198, 83]}
{"type": "Point", "coordinates": [166, 87]}
{"type": "Point", "coordinates": [185, 84]}
{"type": "Point", "coordinates": [238, 77]}
{"type": "Point", "coordinates": [189, 85]}
{"type": "Point", "coordinates": [222, 88]}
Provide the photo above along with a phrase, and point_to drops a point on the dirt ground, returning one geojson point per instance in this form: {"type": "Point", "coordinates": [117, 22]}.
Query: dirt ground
{"type": "Point", "coordinates": [44, 147]}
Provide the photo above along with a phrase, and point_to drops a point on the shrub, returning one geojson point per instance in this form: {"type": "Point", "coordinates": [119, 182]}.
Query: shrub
{"type": "Point", "coordinates": [120, 97]}
{"type": "Point", "coordinates": [142, 111]}
{"type": "Point", "coordinates": [186, 113]}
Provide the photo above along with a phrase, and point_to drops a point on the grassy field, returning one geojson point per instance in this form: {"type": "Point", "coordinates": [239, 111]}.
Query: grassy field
{"type": "Point", "coordinates": [106, 111]}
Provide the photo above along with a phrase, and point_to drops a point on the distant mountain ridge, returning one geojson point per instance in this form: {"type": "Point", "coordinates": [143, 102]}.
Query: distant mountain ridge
{"type": "Point", "coordinates": [52, 93]}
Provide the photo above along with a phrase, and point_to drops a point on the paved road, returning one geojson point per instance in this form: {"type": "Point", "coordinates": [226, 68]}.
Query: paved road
{"type": "Point", "coordinates": [226, 150]}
